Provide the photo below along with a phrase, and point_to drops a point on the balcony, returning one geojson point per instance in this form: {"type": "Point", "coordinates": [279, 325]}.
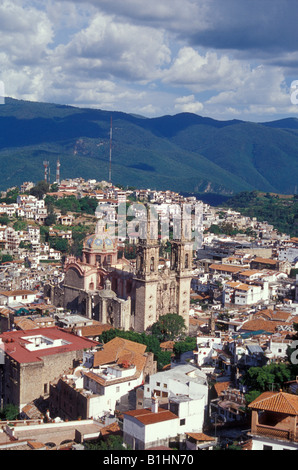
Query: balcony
{"type": "Point", "coordinates": [274, 432]}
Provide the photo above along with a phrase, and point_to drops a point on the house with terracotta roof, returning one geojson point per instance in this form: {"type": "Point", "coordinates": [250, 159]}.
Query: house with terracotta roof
{"type": "Point", "coordinates": [274, 421]}
{"type": "Point", "coordinates": [240, 293]}
{"type": "Point", "coordinates": [14, 297]}
{"type": "Point", "coordinates": [150, 427]}
{"type": "Point", "coordinates": [97, 387]}
{"type": "Point", "coordinates": [183, 389]}
{"type": "Point", "coordinates": [199, 441]}
{"type": "Point", "coordinates": [34, 358]}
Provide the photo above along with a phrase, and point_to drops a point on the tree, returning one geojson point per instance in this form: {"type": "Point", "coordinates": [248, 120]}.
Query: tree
{"type": "Point", "coordinates": [189, 344]}
{"type": "Point", "coordinates": [40, 189]}
{"type": "Point", "coordinates": [50, 219]}
{"type": "Point", "coordinates": [267, 377]}
{"type": "Point", "coordinates": [59, 244]}
{"type": "Point", "coordinates": [163, 359]}
{"type": "Point", "coordinates": [20, 225]}
{"type": "Point", "coordinates": [5, 258]}
{"type": "Point", "coordinates": [169, 327]}
{"type": "Point", "coordinates": [111, 443]}
{"type": "Point", "coordinates": [251, 396]}
{"type": "Point", "coordinates": [10, 412]}
{"type": "Point", "coordinates": [4, 219]}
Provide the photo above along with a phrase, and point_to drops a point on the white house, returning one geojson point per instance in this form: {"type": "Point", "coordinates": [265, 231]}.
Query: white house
{"type": "Point", "coordinates": [206, 346]}
{"type": "Point", "coordinates": [240, 293]}
{"type": "Point", "coordinates": [15, 297]}
{"type": "Point", "coordinates": [109, 374]}
{"type": "Point", "coordinates": [185, 388]}
{"type": "Point", "coordinates": [149, 427]}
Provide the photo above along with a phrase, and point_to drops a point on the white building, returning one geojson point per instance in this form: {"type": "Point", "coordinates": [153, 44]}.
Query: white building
{"type": "Point", "coordinates": [206, 347]}
{"type": "Point", "coordinates": [185, 387]}
{"type": "Point", "coordinates": [149, 427]}
{"type": "Point", "coordinates": [15, 297]}
{"type": "Point", "coordinates": [240, 293]}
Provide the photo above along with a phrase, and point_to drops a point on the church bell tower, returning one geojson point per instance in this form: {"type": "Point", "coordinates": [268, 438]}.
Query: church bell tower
{"type": "Point", "coordinates": [147, 262]}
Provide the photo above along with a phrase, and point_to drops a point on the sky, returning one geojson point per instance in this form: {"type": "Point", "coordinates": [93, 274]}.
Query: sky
{"type": "Point", "coordinates": [225, 59]}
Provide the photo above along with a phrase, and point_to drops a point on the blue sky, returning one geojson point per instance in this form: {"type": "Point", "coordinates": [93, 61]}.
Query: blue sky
{"type": "Point", "coordinates": [227, 59]}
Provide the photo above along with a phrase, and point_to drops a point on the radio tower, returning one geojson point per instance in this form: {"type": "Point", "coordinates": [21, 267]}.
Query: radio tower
{"type": "Point", "coordinates": [58, 172]}
{"type": "Point", "coordinates": [46, 164]}
{"type": "Point", "coordinates": [110, 168]}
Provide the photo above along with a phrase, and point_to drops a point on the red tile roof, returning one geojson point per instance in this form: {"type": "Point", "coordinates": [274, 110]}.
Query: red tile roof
{"type": "Point", "coordinates": [278, 402]}
{"type": "Point", "coordinates": [200, 437]}
{"type": "Point", "coordinates": [147, 417]}
{"type": "Point", "coordinates": [15, 344]}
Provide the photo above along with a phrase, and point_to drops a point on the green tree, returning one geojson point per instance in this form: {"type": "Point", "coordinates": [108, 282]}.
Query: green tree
{"type": "Point", "coordinates": [251, 396]}
{"type": "Point", "coordinates": [9, 413]}
{"type": "Point", "coordinates": [111, 443]}
{"type": "Point", "coordinates": [267, 377]}
{"type": "Point", "coordinates": [59, 244]}
{"type": "Point", "coordinates": [169, 327]}
{"type": "Point", "coordinates": [20, 225]}
{"type": "Point", "coordinates": [4, 220]}
{"type": "Point", "coordinates": [5, 258]}
{"type": "Point", "coordinates": [189, 344]}
{"type": "Point", "coordinates": [40, 189]}
{"type": "Point", "coordinates": [50, 219]}
{"type": "Point", "coordinates": [163, 359]}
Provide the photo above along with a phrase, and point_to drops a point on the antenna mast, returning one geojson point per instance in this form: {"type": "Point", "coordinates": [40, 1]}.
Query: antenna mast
{"type": "Point", "coordinates": [110, 168]}
{"type": "Point", "coordinates": [46, 164]}
{"type": "Point", "coordinates": [58, 172]}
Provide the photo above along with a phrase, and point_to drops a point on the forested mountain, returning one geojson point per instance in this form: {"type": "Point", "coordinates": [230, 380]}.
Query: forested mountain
{"type": "Point", "coordinates": [185, 152]}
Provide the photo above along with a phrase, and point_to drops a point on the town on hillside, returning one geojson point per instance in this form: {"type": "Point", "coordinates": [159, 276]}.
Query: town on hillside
{"type": "Point", "coordinates": [143, 320]}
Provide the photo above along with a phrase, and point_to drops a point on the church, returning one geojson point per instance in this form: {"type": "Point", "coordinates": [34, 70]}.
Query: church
{"type": "Point", "coordinates": [113, 291]}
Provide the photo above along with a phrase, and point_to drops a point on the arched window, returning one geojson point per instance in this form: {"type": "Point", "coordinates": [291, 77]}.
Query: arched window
{"type": "Point", "coordinates": [152, 264]}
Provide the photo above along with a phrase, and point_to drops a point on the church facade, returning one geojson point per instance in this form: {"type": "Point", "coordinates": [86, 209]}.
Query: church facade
{"type": "Point", "coordinates": [110, 290]}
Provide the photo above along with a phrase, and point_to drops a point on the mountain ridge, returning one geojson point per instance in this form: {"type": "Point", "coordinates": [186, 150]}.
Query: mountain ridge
{"type": "Point", "coordinates": [184, 152]}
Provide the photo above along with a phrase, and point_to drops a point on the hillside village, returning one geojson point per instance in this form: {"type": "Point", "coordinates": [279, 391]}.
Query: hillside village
{"type": "Point", "coordinates": [74, 379]}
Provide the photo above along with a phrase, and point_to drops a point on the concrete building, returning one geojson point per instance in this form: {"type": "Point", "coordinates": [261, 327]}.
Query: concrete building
{"type": "Point", "coordinates": [96, 388]}
{"type": "Point", "coordinates": [34, 358]}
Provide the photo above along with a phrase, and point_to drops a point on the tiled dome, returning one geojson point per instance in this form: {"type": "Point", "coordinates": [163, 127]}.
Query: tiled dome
{"type": "Point", "coordinates": [99, 243]}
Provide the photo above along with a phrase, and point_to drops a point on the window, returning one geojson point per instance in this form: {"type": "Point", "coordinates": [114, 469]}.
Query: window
{"type": "Point", "coordinates": [267, 447]}
{"type": "Point", "coordinates": [158, 384]}
{"type": "Point", "coordinates": [117, 389]}
{"type": "Point", "coordinates": [165, 386]}
{"type": "Point", "coordinates": [182, 422]}
{"type": "Point", "coordinates": [186, 261]}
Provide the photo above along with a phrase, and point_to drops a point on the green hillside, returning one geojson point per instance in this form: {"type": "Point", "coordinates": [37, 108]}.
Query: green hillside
{"type": "Point", "coordinates": [185, 152]}
{"type": "Point", "coordinates": [279, 211]}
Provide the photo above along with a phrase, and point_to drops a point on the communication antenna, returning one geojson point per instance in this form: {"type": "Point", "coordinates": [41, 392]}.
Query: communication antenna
{"type": "Point", "coordinates": [111, 135]}
{"type": "Point", "coordinates": [58, 172]}
{"type": "Point", "coordinates": [46, 164]}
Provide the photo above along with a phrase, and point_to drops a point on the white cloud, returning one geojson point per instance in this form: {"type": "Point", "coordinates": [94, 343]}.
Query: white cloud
{"type": "Point", "coordinates": [147, 57]}
{"type": "Point", "coordinates": [109, 48]}
{"type": "Point", "coordinates": [188, 104]}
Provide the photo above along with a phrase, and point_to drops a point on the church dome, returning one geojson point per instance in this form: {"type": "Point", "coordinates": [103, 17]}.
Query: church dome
{"type": "Point", "coordinates": [100, 241]}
